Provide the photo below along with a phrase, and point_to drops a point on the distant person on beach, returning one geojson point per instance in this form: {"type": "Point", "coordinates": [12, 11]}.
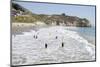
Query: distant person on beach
{"type": "Point", "coordinates": [56, 37]}
{"type": "Point", "coordinates": [62, 44]}
{"type": "Point", "coordinates": [36, 37]}
{"type": "Point", "coordinates": [45, 45]}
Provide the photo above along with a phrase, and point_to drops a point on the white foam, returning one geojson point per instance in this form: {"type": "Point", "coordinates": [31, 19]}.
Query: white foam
{"type": "Point", "coordinates": [75, 45]}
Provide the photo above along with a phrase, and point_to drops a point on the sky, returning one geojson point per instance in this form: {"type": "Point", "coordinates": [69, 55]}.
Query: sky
{"type": "Point", "coordinates": [71, 10]}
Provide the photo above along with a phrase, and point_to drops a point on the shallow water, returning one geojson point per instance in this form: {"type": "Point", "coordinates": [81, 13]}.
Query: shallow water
{"type": "Point", "coordinates": [87, 32]}
{"type": "Point", "coordinates": [28, 50]}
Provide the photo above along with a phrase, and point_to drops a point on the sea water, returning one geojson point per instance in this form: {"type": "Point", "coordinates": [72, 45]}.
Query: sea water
{"type": "Point", "coordinates": [28, 50]}
{"type": "Point", "coordinates": [88, 33]}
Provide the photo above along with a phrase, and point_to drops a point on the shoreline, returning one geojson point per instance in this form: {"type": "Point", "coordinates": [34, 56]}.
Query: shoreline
{"type": "Point", "coordinates": [75, 47]}
{"type": "Point", "coordinates": [19, 28]}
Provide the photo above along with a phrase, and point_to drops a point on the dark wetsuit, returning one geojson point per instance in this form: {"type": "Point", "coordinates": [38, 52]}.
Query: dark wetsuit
{"type": "Point", "coordinates": [36, 37]}
{"type": "Point", "coordinates": [45, 45]}
{"type": "Point", "coordinates": [56, 37]}
{"type": "Point", "coordinates": [62, 44]}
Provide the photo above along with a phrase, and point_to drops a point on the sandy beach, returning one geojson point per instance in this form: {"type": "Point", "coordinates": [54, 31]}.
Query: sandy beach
{"type": "Point", "coordinates": [18, 28]}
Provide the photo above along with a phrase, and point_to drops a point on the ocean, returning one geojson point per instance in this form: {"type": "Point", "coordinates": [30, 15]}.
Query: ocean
{"type": "Point", "coordinates": [29, 50]}
{"type": "Point", "coordinates": [86, 32]}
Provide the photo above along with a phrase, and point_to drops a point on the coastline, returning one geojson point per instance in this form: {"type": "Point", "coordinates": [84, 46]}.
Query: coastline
{"type": "Point", "coordinates": [19, 28]}
{"type": "Point", "coordinates": [76, 48]}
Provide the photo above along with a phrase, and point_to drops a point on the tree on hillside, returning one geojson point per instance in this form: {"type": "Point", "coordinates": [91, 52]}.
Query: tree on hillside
{"type": "Point", "coordinates": [63, 14]}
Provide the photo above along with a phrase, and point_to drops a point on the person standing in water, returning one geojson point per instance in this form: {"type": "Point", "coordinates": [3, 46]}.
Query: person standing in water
{"type": "Point", "coordinates": [62, 44]}
{"type": "Point", "coordinates": [56, 37]}
{"type": "Point", "coordinates": [36, 37]}
{"type": "Point", "coordinates": [46, 45]}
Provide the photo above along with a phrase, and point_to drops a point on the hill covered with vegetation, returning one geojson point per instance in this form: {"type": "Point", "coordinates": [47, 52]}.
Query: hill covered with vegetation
{"type": "Point", "coordinates": [22, 15]}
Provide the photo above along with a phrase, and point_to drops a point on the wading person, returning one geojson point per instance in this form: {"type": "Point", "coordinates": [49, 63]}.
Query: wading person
{"type": "Point", "coordinates": [45, 45]}
{"type": "Point", "coordinates": [36, 37]}
{"type": "Point", "coordinates": [62, 44]}
{"type": "Point", "coordinates": [56, 37]}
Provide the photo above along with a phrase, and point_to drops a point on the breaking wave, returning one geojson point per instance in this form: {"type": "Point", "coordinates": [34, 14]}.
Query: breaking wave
{"type": "Point", "coordinates": [76, 47]}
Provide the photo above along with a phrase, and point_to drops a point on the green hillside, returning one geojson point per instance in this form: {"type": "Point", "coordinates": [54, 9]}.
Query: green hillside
{"type": "Point", "coordinates": [22, 15]}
